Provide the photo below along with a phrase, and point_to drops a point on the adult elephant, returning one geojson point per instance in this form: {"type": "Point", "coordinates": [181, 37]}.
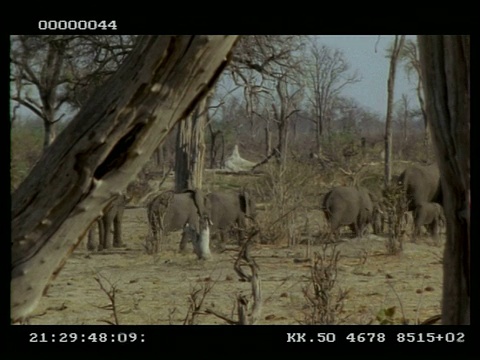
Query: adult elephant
{"type": "Point", "coordinates": [112, 216]}
{"type": "Point", "coordinates": [421, 184]}
{"type": "Point", "coordinates": [348, 205]}
{"type": "Point", "coordinates": [170, 211]}
{"type": "Point", "coordinates": [230, 209]}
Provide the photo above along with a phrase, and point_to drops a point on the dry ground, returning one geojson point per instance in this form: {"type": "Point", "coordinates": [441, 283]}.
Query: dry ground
{"type": "Point", "coordinates": [154, 289]}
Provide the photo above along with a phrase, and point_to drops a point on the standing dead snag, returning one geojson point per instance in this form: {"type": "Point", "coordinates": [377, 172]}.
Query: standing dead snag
{"type": "Point", "coordinates": [102, 150]}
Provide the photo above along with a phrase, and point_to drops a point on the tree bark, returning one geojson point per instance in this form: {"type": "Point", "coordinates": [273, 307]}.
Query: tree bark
{"type": "Point", "coordinates": [398, 43]}
{"type": "Point", "coordinates": [190, 151]}
{"type": "Point", "coordinates": [102, 150]}
{"type": "Point", "coordinates": [268, 140]}
{"type": "Point", "coordinates": [445, 64]}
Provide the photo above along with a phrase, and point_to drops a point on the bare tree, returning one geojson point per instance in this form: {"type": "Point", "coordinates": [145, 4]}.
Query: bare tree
{"type": "Point", "coordinates": [327, 75]}
{"type": "Point", "coordinates": [51, 71]}
{"type": "Point", "coordinates": [395, 51]}
{"type": "Point", "coordinates": [445, 64]}
{"type": "Point", "coordinates": [409, 53]}
{"type": "Point", "coordinates": [268, 67]}
{"type": "Point", "coordinates": [102, 150]}
{"type": "Point", "coordinates": [45, 76]}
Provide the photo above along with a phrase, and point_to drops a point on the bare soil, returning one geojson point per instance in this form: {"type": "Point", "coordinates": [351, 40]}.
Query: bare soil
{"type": "Point", "coordinates": [155, 289]}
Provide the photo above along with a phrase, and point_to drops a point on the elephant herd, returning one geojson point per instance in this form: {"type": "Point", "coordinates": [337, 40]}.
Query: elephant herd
{"type": "Point", "coordinates": [192, 211]}
{"type": "Point", "coordinates": [199, 214]}
{"type": "Point", "coordinates": [357, 207]}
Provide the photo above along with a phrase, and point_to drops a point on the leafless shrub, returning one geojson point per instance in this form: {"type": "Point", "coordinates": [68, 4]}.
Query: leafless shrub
{"type": "Point", "coordinates": [248, 312]}
{"type": "Point", "coordinates": [289, 190]}
{"type": "Point", "coordinates": [111, 293]}
{"type": "Point", "coordinates": [325, 300]}
{"type": "Point", "coordinates": [395, 206]}
{"type": "Point", "coordinates": [196, 299]}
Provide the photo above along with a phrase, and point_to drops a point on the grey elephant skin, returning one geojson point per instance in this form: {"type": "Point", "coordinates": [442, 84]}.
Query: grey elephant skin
{"type": "Point", "coordinates": [430, 215]}
{"type": "Point", "coordinates": [348, 205]}
{"type": "Point", "coordinates": [229, 209]}
{"type": "Point", "coordinates": [422, 184]}
{"type": "Point", "coordinates": [170, 211]}
{"type": "Point", "coordinates": [113, 215]}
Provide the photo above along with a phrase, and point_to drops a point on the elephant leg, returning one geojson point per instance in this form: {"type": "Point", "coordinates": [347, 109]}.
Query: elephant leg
{"type": "Point", "coordinates": [220, 234]}
{"type": "Point", "coordinates": [416, 232]}
{"type": "Point", "coordinates": [435, 230]}
{"type": "Point", "coordinates": [101, 235]}
{"type": "Point", "coordinates": [417, 225]}
{"type": "Point", "coordinates": [335, 231]}
{"type": "Point", "coordinates": [355, 227]}
{"type": "Point", "coordinates": [107, 224]}
{"type": "Point", "coordinates": [184, 240]}
{"type": "Point", "coordinates": [117, 231]}
{"type": "Point", "coordinates": [334, 227]}
{"type": "Point", "coordinates": [91, 238]}
{"type": "Point", "coordinates": [117, 225]}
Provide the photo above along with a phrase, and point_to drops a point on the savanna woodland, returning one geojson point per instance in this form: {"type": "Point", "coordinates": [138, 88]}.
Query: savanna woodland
{"type": "Point", "coordinates": [149, 174]}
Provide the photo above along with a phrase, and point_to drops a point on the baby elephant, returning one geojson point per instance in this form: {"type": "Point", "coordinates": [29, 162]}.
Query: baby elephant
{"type": "Point", "coordinates": [430, 215]}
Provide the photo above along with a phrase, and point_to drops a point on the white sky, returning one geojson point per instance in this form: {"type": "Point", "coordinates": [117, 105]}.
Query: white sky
{"type": "Point", "coordinates": [359, 50]}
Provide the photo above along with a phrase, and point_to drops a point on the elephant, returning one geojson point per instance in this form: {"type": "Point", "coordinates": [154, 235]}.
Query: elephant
{"type": "Point", "coordinates": [430, 215]}
{"type": "Point", "coordinates": [348, 205]}
{"type": "Point", "coordinates": [170, 211]}
{"type": "Point", "coordinates": [422, 184]}
{"type": "Point", "coordinates": [112, 214]}
{"type": "Point", "coordinates": [230, 209]}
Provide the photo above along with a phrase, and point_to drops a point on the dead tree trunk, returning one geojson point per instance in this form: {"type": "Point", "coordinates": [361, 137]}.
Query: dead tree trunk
{"type": "Point", "coordinates": [445, 64]}
{"type": "Point", "coordinates": [190, 151]}
{"type": "Point", "coordinates": [214, 145]}
{"type": "Point", "coordinates": [398, 43]}
{"type": "Point", "coordinates": [102, 150]}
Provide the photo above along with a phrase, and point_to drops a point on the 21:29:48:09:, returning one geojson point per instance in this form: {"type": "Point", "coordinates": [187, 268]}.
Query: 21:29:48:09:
{"type": "Point", "coordinates": [89, 337]}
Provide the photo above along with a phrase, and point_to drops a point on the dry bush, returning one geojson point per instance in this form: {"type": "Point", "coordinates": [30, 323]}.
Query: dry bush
{"type": "Point", "coordinates": [325, 299]}
{"type": "Point", "coordinates": [249, 308]}
{"type": "Point", "coordinates": [289, 193]}
{"type": "Point", "coordinates": [196, 298]}
{"type": "Point", "coordinates": [395, 207]}
{"type": "Point", "coordinates": [111, 294]}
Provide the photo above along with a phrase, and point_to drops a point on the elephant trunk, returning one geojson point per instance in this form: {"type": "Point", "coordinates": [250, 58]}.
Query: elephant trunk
{"type": "Point", "coordinates": [198, 199]}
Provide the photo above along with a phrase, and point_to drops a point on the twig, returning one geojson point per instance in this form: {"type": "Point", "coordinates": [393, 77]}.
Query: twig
{"type": "Point", "coordinates": [111, 296]}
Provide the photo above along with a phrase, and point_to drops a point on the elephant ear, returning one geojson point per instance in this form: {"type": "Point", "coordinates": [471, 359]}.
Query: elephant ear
{"type": "Point", "coordinates": [198, 199]}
